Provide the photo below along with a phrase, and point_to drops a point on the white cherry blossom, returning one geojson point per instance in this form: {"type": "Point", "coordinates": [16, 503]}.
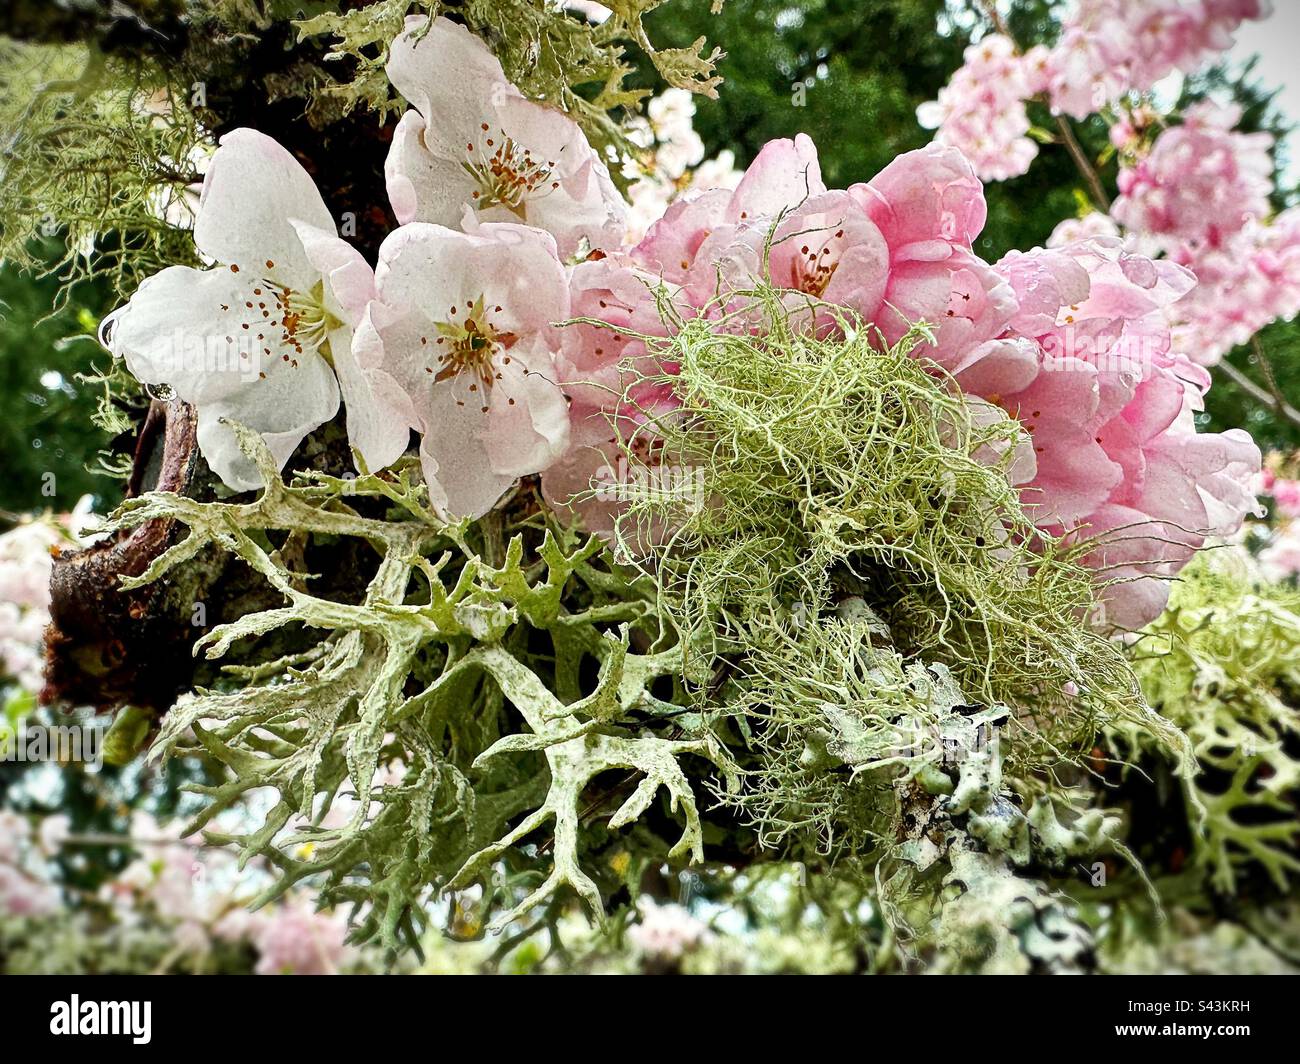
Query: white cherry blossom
{"type": "Point", "coordinates": [475, 144]}
{"type": "Point", "coordinates": [264, 337]}
{"type": "Point", "coordinates": [465, 322]}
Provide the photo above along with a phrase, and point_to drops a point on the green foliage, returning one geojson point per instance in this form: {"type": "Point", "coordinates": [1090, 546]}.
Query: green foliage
{"type": "Point", "coordinates": [46, 407]}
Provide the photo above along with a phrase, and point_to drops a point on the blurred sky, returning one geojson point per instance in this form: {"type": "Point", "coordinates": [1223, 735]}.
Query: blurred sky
{"type": "Point", "coordinates": [1276, 40]}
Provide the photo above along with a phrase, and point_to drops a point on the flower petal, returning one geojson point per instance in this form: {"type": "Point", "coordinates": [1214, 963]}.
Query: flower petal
{"type": "Point", "coordinates": [782, 175]}
{"type": "Point", "coordinates": [527, 426]}
{"type": "Point", "coordinates": [380, 414]}
{"type": "Point", "coordinates": [283, 407]}
{"type": "Point", "coordinates": [433, 269]}
{"type": "Point", "coordinates": [350, 280]}
{"type": "Point", "coordinates": [252, 190]}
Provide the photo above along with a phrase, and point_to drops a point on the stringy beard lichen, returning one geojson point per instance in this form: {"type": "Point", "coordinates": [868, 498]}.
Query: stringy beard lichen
{"type": "Point", "coordinates": [832, 469]}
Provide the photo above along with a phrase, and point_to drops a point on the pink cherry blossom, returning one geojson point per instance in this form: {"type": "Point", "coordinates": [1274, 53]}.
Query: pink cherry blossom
{"type": "Point", "coordinates": [26, 888]}
{"type": "Point", "coordinates": [1249, 281]}
{"type": "Point", "coordinates": [1075, 341]}
{"type": "Point", "coordinates": [825, 249]}
{"type": "Point", "coordinates": [1110, 407]}
{"type": "Point", "coordinates": [784, 174]}
{"type": "Point", "coordinates": [1108, 48]}
{"type": "Point", "coordinates": [929, 207]}
{"type": "Point", "coordinates": [1201, 182]}
{"type": "Point", "coordinates": [25, 565]}
{"type": "Point", "coordinates": [294, 939]}
{"type": "Point", "coordinates": [665, 932]}
{"type": "Point", "coordinates": [475, 144]}
{"type": "Point", "coordinates": [981, 111]}
{"type": "Point", "coordinates": [1280, 560]}
{"type": "Point", "coordinates": [1286, 496]}
{"type": "Point", "coordinates": [614, 388]}
{"type": "Point", "coordinates": [465, 323]}
{"type": "Point", "coordinates": [23, 895]}
{"type": "Point", "coordinates": [598, 364]}
{"type": "Point", "coordinates": [1201, 197]}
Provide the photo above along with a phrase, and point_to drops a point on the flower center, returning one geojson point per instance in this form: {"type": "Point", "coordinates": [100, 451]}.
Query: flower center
{"type": "Point", "coordinates": [284, 321]}
{"type": "Point", "coordinates": [813, 268]}
{"type": "Point", "coordinates": [468, 345]}
{"type": "Point", "coordinates": [304, 320]}
{"type": "Point", "coordinates": [506, 173]}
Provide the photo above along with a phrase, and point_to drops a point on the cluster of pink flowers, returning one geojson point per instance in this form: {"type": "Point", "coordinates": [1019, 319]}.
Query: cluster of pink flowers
{"type": "Point", "coordinates": [1200, 196]}
{"type": "Point", "coordinates": [24, 600]}
{"type": "Point", "coordinates": [25, 563]}
{"type": "Point", "coordinates": [1075, 342]}
{"type": "Point", "coordinates": [200, 895]}
{"type": "Point", "coordinates": [1248, 283]}
{"type": "Point", "coordinates": [666, 932]}
{"type": "Point", "coordinates": [1280, 557]}
{"type": "Point", "coordinates": [510, 225]}
{"type": "Point", "coordinates": [1200, 183]}
{"type": "Point", "coordinates": [981, 111]}
{"type": "Point", "coordinates": [26, 888]}
{"type": "Point", "coordinates": [193, 892]}
{"type": "Point", "coordinates": [1111, 411]}
{"type": "Point", "coordinates": [1107, 49]}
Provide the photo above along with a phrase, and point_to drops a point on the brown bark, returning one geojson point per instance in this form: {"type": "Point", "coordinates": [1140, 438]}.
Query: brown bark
{"type": "Point", "coordinates": [105, 646]}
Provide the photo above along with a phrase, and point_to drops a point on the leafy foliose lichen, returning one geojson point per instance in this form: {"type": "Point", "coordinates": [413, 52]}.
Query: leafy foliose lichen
{"type": "Point", "coordinates": [503, 676]}
{"type": "Point", "coordinates": [1223, 664]}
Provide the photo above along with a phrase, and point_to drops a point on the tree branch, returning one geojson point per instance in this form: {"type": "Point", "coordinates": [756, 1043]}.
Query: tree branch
{"type": "Point", "coordinates": [1081, 160]}
{"type": "Point", "coordinates": [1261, 395]}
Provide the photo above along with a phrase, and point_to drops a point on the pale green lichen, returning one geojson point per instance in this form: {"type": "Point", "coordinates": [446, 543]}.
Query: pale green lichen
{"type": "Point", "coordinates": [1223, 665]}
{"type": "Point", "coordinates": [971, 882]}
{"type": "Point", "coordinates": [833, 469]}
{"type": "Point", "coordinates": [466, 672]}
